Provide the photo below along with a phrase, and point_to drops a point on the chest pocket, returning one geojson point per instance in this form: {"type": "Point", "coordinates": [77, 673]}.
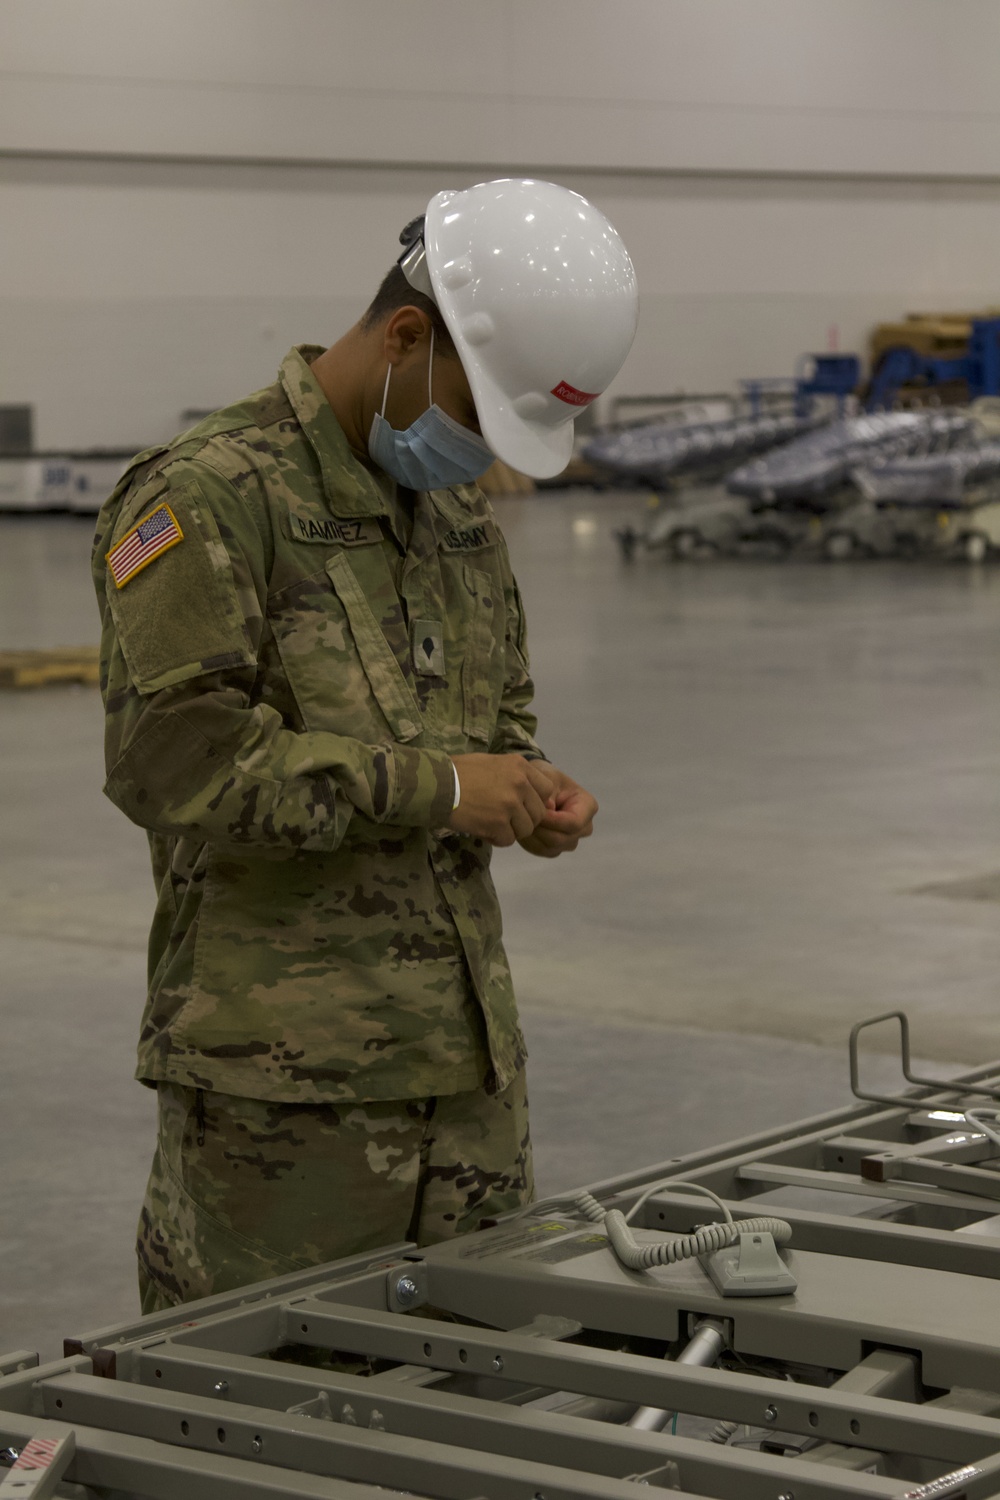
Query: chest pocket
{"type": "Point", "coordinates": [341, 669]}
{"type": "Point", "coordinates": [381, 667]}
{"type": "Point", "coordinates": [483, 667]}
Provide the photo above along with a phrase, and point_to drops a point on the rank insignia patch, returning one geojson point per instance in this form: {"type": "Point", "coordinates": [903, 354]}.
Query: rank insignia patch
{"type": "Point", "coordinates": [140, 546]}
{"type": "Point", "coordinates": [427, 639]}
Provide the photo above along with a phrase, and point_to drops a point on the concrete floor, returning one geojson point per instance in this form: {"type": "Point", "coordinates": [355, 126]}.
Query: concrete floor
{"type": "Point", "coordinates": [798, 770]}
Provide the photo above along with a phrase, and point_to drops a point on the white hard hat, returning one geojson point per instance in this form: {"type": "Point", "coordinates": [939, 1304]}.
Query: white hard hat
{"type": "Point", "coordinates": [539, 296]}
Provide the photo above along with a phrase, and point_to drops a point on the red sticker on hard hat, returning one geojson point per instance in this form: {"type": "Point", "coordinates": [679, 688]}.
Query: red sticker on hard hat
{"type": "Point", "coordinates": [572, 396]}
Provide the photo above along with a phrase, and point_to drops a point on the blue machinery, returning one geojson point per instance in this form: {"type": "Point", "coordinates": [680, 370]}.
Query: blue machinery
{"type": "Point", "coordinates": [836, 375]}
{"type": "Point", "coordinates": [979, 367]}
{"type": "Point", "coordinates": [826, 375]}
{"type": "Point", "coordinates": [839, 375]}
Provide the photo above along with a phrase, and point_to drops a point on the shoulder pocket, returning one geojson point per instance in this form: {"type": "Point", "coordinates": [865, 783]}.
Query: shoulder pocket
{"type": "Point", "coordinates": [177, 615]}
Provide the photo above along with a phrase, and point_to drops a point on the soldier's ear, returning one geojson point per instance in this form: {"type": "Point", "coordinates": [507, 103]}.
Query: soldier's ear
{"type": "Point", "coordinates": [408, 329]}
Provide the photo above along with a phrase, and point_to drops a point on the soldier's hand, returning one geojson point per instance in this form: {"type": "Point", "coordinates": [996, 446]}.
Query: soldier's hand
{"type": "Point", "coordinates": [569, 817]}
{"type": "Point", "coordinates": [503, 797]}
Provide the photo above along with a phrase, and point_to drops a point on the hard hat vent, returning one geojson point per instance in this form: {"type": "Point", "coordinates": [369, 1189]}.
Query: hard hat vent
{"type": "Point", "coordinates": [531, 405]}
{"type": "Point", "coordinates": [457, 274]}
{"type": "Point", "coordinates": [479, 328]}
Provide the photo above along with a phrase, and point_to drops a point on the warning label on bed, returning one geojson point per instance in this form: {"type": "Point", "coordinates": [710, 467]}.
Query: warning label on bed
{"type": "Point", "coordinates": [581, 1244]}
{"type": "Point", "coordinates": [479, 1247]}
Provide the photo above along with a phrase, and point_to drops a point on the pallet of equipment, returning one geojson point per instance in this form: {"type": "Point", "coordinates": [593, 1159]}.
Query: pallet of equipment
{"type": "Point", "coordinates": [30, 669]}
{"type": "Point", "coordinates": [931, 336]}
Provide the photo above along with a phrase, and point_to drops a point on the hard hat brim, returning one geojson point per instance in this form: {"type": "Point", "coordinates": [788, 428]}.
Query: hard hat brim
{"type": "Point", "coordinates": [540, 452]}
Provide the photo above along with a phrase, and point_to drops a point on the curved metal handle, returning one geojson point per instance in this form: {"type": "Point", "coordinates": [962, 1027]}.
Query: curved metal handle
{"type": "Point", "coordinates": [947, 1085]}
{"type": "Point", "coordinates": [854, 1051]}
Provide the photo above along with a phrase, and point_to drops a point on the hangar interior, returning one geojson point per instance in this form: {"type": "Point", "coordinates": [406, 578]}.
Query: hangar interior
{"type": "Point", "coordinates": [796, 754]}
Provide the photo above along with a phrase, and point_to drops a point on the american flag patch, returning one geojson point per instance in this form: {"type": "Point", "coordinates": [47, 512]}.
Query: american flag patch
{"type": "Point", "coordinates": [138, 547]}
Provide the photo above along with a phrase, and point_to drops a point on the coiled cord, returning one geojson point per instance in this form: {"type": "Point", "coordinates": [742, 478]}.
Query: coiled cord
{"type": "Point", "coordinates": [704, 1241]}
{"type": "Point", "coordinates": [687, 1247]}
{"type": "Point", "coordinates": [723, 1431]}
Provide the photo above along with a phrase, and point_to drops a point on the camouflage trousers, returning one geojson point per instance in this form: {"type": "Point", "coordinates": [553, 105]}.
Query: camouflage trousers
{"type": "Point", "coordinates": [245, 1189]}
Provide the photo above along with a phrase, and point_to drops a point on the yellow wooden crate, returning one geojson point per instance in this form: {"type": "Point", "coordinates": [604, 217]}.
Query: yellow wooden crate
{"type": "Point", "coordinates": [29, 669]}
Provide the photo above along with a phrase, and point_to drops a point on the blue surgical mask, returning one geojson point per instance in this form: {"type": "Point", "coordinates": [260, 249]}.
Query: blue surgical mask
{"type": "Point", "coordinates": [433, 452]}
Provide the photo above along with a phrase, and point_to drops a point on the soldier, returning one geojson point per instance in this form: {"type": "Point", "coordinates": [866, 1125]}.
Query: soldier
{"type": "Point", "coordinates": [315, 675]}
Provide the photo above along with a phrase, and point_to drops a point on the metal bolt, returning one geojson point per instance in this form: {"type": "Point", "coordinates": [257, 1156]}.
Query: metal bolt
{"type": "Point", "coordinates": [787, 1495]}
{"type": "Point", "coordinates": [498, 1362]}
{"type": "Point", "coordinates": [407, 1291]}
{"type": "Point", "coordinates": [257, 1444]}
{"type": "Point", "coordinates": [221, 1388]}
{"type": "Point", "coordinates": [771, 1415]}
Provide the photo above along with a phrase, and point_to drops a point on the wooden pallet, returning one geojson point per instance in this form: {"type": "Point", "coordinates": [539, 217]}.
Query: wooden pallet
{"type": "Point", "coordinates": [30, 669]}
{"type": "Point", "coordinates": [934, 338]}
{"type": "Point", "coordinates": [935, 335]}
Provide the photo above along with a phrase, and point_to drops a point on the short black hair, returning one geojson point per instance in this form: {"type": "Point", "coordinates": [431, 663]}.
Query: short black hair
{"type": "Point", "coordinates": [396, 292]}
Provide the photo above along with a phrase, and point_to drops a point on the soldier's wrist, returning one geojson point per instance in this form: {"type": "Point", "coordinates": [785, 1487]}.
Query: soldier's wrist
{"type": "Point", "coordinates": [423, 790]}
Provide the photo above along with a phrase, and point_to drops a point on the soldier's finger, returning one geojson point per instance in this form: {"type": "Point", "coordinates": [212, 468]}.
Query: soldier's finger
{"type": "Point", "coordinates": [544, 841]}
{"type": "Point", "coordinates": [523, 823]}
{"type": "Point", "coordinates": [579, 804]}
{"type": "Point", "coordinates": [542, 850]}
{"type": "Point", "coordinates": [568, 823]}
{"type": "Point", "coordinates": [533, 805]}
{"type": "Point", "coordinates": [541, 778]}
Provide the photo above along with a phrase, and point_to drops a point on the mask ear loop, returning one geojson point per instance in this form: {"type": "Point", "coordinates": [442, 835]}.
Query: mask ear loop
{"type": "Point", "coordinates": [430, 379]}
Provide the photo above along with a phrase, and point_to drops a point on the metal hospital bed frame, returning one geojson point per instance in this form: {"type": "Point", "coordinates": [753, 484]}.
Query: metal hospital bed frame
{"type": "Point", "coordinates": [524, 1362]}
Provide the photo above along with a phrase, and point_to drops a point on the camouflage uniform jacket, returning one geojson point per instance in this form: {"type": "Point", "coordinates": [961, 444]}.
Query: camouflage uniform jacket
{"type": "Point", "coordinates": [283, 690]}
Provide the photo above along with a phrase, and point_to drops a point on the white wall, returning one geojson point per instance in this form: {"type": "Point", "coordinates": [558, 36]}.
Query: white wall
{"type": "Point", "coordinates": [136, 283]}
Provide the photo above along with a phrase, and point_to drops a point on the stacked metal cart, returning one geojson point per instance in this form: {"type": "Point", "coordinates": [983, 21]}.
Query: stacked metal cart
{"type": "Point", "coordinates": [814, 1314]}
{"type": "Point", "coordinates": [883, 484]}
